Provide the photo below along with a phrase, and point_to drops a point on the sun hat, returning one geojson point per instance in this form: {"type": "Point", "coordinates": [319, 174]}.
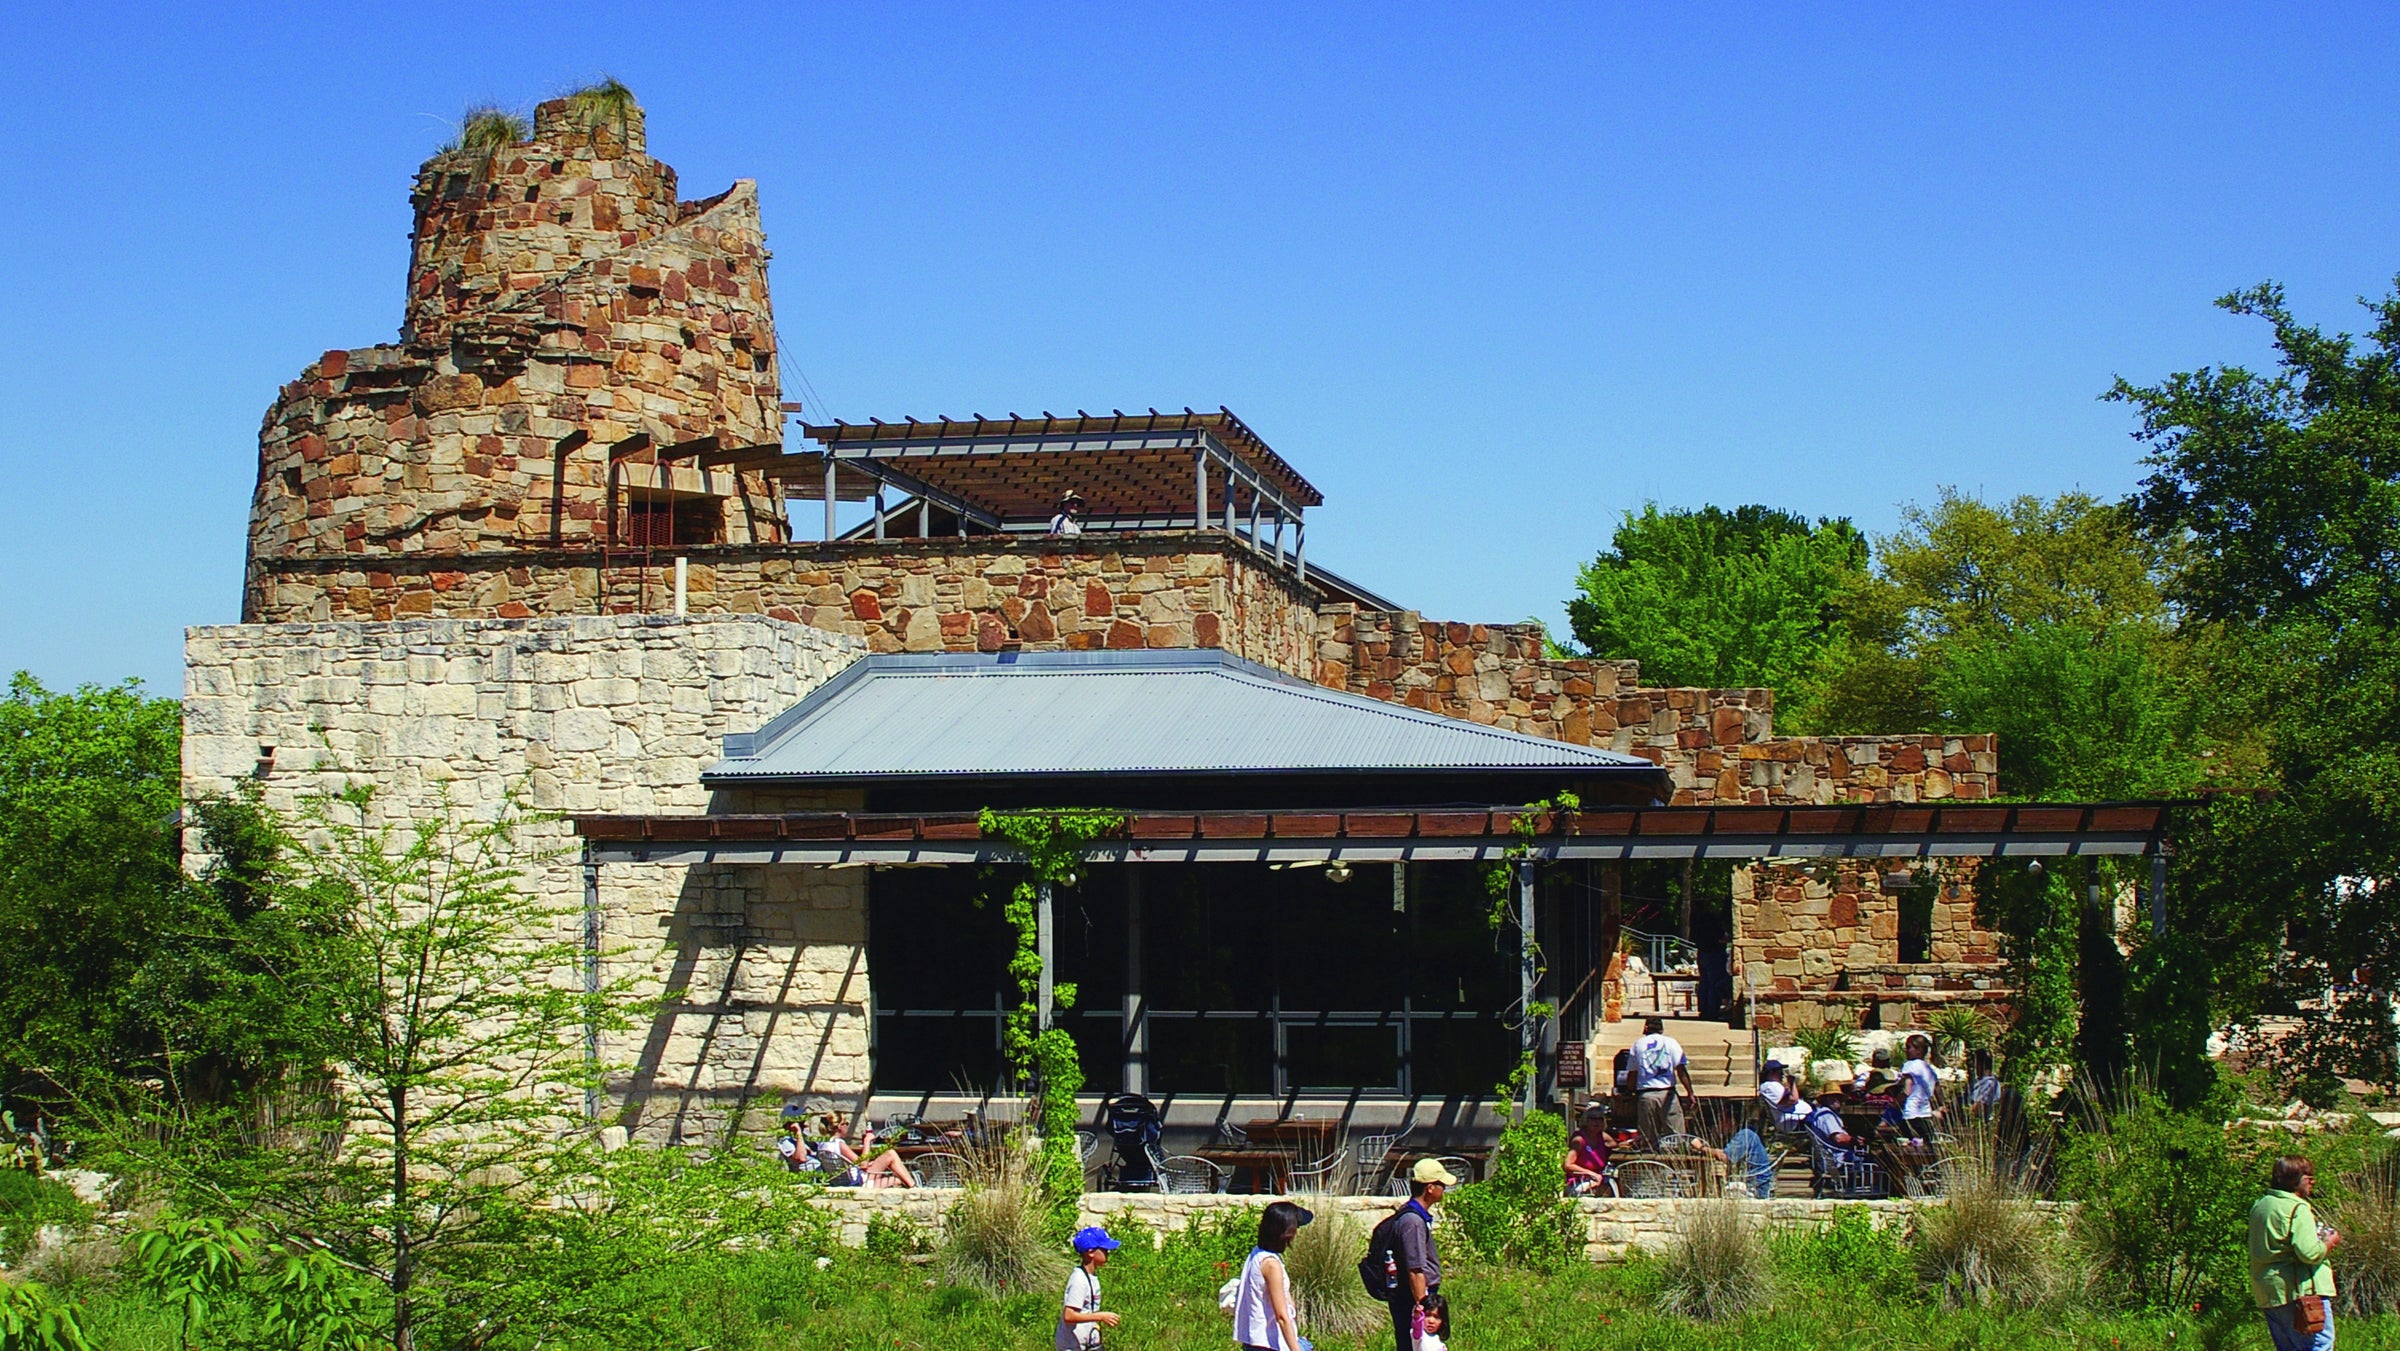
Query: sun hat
{"type": "Point", "coordinates": [1431, 1170]}
{"type": "Point", "coordinates": [1093, 1236]}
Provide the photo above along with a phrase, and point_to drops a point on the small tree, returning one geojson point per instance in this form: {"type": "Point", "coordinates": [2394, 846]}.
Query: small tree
{"type": "Point", "coordinates": [445, 1002]}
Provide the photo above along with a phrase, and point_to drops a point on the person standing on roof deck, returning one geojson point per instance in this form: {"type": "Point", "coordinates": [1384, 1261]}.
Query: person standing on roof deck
{"type": "Point", "coordinates": [1659, 1068]}
{"type": "Point", "coordinates": [1069, 520]}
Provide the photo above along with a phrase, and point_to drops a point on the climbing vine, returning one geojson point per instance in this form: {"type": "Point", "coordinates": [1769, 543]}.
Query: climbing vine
{"type": "Point", "coordinates": [1499, 883]}
{"type": "Point", "coordinates": [1052, 845]}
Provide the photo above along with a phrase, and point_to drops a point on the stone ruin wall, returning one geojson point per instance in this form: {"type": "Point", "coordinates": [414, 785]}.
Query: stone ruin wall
{"type": "Point", "coordinates": [761, 972]}
{"type": "Point", "coordinates": [1822, 949]}
{"type": "Point", "coordinates": [1718, 745]}
{"type": "Point", "coordinates": [557, 291]}
{"type": "Point", "coordinates": [985, 593]}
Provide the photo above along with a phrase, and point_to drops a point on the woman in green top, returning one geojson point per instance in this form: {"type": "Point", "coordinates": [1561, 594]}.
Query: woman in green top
{"type": "Point", "coordinates": [2287, 1259]}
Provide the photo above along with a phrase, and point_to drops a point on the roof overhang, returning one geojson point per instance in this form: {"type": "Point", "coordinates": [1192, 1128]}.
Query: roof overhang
{"type": "Point", "coordinates": [1895, 832]}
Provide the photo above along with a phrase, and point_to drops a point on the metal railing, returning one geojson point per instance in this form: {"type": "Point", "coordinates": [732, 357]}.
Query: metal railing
{"type": "Point", "coordinates": [1663, 952]}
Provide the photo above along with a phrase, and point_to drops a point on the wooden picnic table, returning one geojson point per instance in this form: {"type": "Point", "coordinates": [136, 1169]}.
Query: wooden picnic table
{"type": "Point", "coordinates": [1270, 1166]}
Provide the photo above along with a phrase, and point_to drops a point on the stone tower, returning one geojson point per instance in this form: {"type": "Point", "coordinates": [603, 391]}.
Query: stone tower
{"type": "Point", "coordinates": [583, 361]}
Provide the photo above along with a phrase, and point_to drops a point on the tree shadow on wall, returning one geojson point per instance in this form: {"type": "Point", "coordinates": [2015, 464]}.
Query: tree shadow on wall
{"type": "Point", "coordinates": [736, 973]}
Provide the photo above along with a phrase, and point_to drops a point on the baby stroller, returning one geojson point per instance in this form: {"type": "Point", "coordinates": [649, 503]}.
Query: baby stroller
{"type": "Point", "coordinates": [1133, 1122]}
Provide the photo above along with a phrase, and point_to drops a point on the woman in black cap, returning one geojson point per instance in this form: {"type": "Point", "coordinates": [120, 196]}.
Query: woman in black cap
{"type": "Point", "coordinates": [1263, 1318]}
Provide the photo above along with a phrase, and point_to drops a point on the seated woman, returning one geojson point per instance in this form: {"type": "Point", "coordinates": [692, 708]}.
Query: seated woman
{"type": "Point", "coordinates": [1587, 1154]}
{"type": "Point", "coordinates": [844, 1166]}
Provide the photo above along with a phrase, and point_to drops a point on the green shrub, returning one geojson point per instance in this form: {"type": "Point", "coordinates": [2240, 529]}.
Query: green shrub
{"type": "Point", "coordinates": [1520, 1215]}
{"type": "Point", "coordinates": [1850, 1253]}
{"type": "Point", "coordinates": [2163, 1209]}
{"type": "Point", "coordinates": [1719, 1265]}
{"type": "Point", "coordinates": [896, 1236]}
{"type": "Point", "coordinates": [27, 1202]}
{"type": "Point", "coordinates": [1831, 1042]}
{"type": "Point", "coordinates": [33, 1319]}
{"type": "Point", "coordinates": [1202, 1254]}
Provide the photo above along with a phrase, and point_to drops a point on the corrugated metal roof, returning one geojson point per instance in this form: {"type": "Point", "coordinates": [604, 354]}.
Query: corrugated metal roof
{"type": "Point", "coordinates": [895, 716]}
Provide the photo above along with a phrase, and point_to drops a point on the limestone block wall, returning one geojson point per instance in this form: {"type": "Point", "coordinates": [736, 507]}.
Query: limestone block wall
{"type": "Point", "coordinates": [760, 973]}
{"type": "Point", "coordinates": [1613, 1228]}
{"type": "Point", "coordinates": [985, 593]}
{"type": "Point", "coordinates": [1825, 948]}
{"type": "Point", "coordinates": [560, 301]}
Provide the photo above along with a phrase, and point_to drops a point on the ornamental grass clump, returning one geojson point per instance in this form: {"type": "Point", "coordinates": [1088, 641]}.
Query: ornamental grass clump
{"type": "Point", "coordinates": [1322, 1264]}
{"type": "Point", "coordinates": [2369, 1256]}
{"type": "Point", "coordinates": [1718, 1266]}
{"type": "Point", "coordinates": [1985, 1243]}
{"type": "Point", "coordinates": [998, 1235]}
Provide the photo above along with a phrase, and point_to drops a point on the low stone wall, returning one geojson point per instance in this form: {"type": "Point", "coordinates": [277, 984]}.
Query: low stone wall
{"type": "Point", "coordinates": [1613, 1228]}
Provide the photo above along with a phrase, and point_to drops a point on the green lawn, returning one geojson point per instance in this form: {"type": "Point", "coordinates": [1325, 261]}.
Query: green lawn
{"type": "Point", "coordinates": [771, 1302]}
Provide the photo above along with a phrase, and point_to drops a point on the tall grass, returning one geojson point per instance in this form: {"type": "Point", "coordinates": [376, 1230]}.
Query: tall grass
{"type": "Point", "coordinates": [1986, 1243]}
{"type": "Point", "coordinates": [1322, 1265]}
{"type": "Point", "coordinates": [2369, 1255]}
{"type": "Point", "coordinates": [1719, 1265]}
{"type": "Point", "coordinates": [486, 130]}
{"type": "Point", "coordinates": [998, 1238]}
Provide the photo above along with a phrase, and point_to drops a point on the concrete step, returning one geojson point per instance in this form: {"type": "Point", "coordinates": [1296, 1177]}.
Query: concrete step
{"type": "Point", "coordinates": [1719, 1054]}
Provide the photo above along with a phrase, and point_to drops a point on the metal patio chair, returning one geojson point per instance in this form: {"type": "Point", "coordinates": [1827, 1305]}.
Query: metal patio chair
{"type": "Point", "coordinates": [939, 1169]}
{"type": "Point", "coordinates": [1322, 1175]}
{"type": "Point", "coordinates": [1462, 1169]}
{"type": "Point", "coordinates": [1843, 1176]}
{"type": "Point", "coordinates": [1649, 1179]}
{"type": "Point", "coordinates": [1375, 1161]}
{"type": "Point", "coordinates": [1190, 1175]}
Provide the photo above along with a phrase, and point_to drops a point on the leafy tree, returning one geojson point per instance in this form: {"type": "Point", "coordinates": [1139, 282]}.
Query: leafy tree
{"type": "Point", "coordinates": [2280, 492]}
{"type": "Point", "coordinates": [2043, 621]}
{"type": "Point", "coordinates": [447, 1003]}
{"type": "Point", "coordinates": [1719, 598]}
{"type": "Point", "coordinates": [89, 787]}
{"type": "Point", "coordinates": [131, 985]}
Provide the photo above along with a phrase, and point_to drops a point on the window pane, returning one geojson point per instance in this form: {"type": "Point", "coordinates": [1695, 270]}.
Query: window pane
{"type": "Point", "coordinates": [1341, 1057]}
{"type": "Point", "coordinates": [1460, 1055]}
{"type": "Point", "coordinates": [1212, 1055]}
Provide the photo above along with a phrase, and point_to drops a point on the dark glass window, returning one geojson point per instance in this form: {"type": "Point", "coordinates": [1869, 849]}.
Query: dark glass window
{"type": "Point", "coordinates": [1257, 980]}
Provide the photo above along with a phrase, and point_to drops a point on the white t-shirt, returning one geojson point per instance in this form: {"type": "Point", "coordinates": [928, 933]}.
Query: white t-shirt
{"type": "Point", "coordinates": [1920, 1079]}
{"type": "Point", "coordinates": [1063, 524]}
{"type": "Point", "coordinates": [1655, 1059]}
{"type": "Point", "coordinates": [1083, 1296]}
{"type": "Point", "coordinates": [1430, 1341]}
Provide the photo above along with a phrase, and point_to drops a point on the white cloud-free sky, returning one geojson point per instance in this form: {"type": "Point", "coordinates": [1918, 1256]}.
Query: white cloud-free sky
{"type": "Point", "coordinates": [1489, 276]}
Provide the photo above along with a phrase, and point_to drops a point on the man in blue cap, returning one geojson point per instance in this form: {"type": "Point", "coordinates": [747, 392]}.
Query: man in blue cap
{"type": "Point", "coordinates": [1079, 1327]}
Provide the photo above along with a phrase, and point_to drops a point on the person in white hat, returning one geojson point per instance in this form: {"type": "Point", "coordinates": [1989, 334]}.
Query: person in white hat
{"type": "Point", "coordinates": [1419, 1265]}
{"type": "Point", "coordinates": [1069, 520]}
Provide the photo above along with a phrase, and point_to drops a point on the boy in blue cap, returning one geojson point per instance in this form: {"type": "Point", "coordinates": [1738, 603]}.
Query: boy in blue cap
{"type": "Point", "coordinates": [1079, 1327]}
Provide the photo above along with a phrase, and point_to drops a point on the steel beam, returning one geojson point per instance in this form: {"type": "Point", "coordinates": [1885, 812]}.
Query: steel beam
{"type": "Point", "coordinates": [909, 483]}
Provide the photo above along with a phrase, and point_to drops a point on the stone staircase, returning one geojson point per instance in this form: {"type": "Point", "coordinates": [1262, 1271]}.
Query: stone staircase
{"type": "Point", "coordinates": [1719, 1054]}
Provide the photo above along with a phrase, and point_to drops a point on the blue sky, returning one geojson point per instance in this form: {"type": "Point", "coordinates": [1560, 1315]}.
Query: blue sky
{"type": "Point", "coordinates": [1488, 276]}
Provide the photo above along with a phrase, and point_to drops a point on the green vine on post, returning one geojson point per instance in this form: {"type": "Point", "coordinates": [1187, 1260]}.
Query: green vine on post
{"type": "Point", "coordinates": [1052, 845]}
{"type": "Point", "coordinates": [1499, 882]}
